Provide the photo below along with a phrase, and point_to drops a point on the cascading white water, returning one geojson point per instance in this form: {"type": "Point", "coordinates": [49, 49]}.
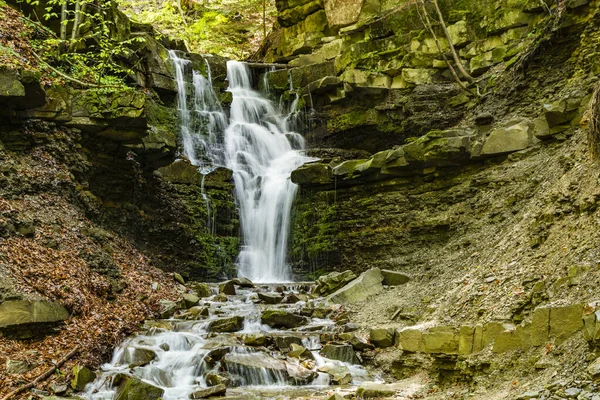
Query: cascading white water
{"type": "Point", "coordinates": [257, 144]}
{"type": "Point", "coordinates": [262, 152]}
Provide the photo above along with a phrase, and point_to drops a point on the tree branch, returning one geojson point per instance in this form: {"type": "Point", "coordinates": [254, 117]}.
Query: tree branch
{"type": "Point", "coordinates": [43, 376]}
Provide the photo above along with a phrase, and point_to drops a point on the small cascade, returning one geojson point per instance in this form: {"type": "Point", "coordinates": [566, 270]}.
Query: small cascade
{"type": "Point", "coordinates": [225, 339]}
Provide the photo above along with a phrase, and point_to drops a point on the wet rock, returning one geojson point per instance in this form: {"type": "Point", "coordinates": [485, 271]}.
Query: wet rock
{"type": "Point", "coordinates": [231, 324]}
{"type": "Point", "coordinates": [81, 377]}
{"type": "Point", "coordinates": [136, 357]}
{"type": "Point", "coordinates": [213, 379]}
{"type": "Point", "coordinates": [202, 289]}
{"type": "Point", "coordinates": [256, 339]}
{"type": "Point", "coordinates": [300, 352]}
{"type": "Point", "coordinates": [243, 282]}
{"type": "Point", "coordinates": [367, 284]}
{"type": "Point", "coordinates": [198, 311]}
{"type": "Point", "coordinates": [340, 352]}
{"type": "Point", "coordinates": [190, 299]}
{"type": "Point", "coordinates": [394, 278]}
{"type": "Point", "coordinates": [338, 374]}
{"type": "Point", "coordinates": [270, 298]}
{"type": "Point", "coordinates": [221, 298]}
{"type": "Point", "coordinates": [331, 282]}
{"type": "Point", "coordinates": [356, 342]}
{"type": "Point", "coordinates": [291, 298]}
{"type": "Point", "coordinates": [299, 375]}
{"type": "Point", "coordinates": [132, 388]}
{"type": "Point", "coordinates": [168, 308]}
{"type": "Point", "coordinates": [245, 366]}
{"type": "Point", "coordinates": [217, 390]}
{"type": "Point", "coordinates": [382, 337]}
{"type": "Point", "coordinates": [18, 366]}
{"type": "Point", "coordinates": [282, 319]}
{"type": "Point", "coordinates": [215, 355]}
{"type": "Point", "coordinates": [59, 388]}
{"type": "Point", "coordinates": [284, 343]}
{"type": "Point", "coordinates": [227, 288]}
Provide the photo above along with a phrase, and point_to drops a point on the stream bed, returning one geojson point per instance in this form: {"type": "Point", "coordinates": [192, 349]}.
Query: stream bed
{"type": "Point", "coordinates": [238, 341]}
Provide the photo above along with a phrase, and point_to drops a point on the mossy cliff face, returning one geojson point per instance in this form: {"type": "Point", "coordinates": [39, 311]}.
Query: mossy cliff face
{"type": "Point", "coordinates": [119, 147]}
{"type": "Point", "coordinates": [375, 75]}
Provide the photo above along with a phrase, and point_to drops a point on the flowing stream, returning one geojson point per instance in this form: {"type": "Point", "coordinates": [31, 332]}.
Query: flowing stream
{"type": "Point", "coordinates": [224, 339]}
{"type": "Point", "coordinates": [255, 141]}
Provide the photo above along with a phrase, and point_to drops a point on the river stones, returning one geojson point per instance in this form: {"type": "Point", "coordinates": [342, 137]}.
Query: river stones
{"type": "Point", "coordinates": [227, 288]}
{"type": "Point", "coordinates": [249, 366]}
{"type": "Point", "coordinates": [282, 319]}
{"type": "Point", "coordinates": [198, 311]}
{"type": "Point", "coordinates": [298, 375]}
{"type": "Point", "coordinates": [190, 299]}
{"type": "Point", "coordinates": [255, 339]}
{"type": "Point", "coordinates": [214, 379]}
{"type": "Point", "coordinates": [270, 298]}
{"type": "Point", "coordinates": [338, 374]}
{"type": "Point", "coordinates": [340, 352]}
{"type": "Point", "coordinates": [284, 342]}
{"type": "Point", "coordinates": [230, 324]}
{"type": "Point", "coordinates": [218, 390]}
{"type": "Point", "coordinates": [136, 357]}
{"type": "Point", "coordinates": [300, 352]}
{"type": "Point", "coordinates": [202, 289]}
{"type": "Point", "coordinates": [331, 282]}
{"type": "Point", "coordinates": [132, 388]}
{"type": "Point", "coordinates": [243, 282]}
{"type": "Point", "coordinates": [382, 337]}
{"type": "Point", "coordinates": [81, 377]}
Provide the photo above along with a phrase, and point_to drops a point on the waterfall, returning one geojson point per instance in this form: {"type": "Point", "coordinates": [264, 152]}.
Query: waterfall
{"type": "Point", "coordinates": [257, 144]}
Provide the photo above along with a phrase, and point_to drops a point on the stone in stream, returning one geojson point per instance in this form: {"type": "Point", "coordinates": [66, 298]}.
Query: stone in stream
{"type": "Point", "coordinates": [132, 388]}
{"type": "Point", "coordinates": [299, 375]}
{"type": "Point", "coordinates": [136, 357]}
{"type": "Point", "coordinates": [340, 352]}
{"type": "Point", "coordinates": [356, 342]}
{"type": "Point", "coordinates": [282, 319]}
{"type": "Point", "coordinates": [198, 311]}
{"type": "Point", "coordinates": [366, 285]}
{"type": "Point", "coordinates": [190, 299]}
{"type": "Point", "coordinates": [202, 289]}
{"type": "Point", "coordinates": [217, 390]}
{"type": "Point", "coordinates": [230, 324]}
{"type": "Point", "coordinates": [338, 374]}
{"type": "Point", "coordinates": [394, 278]}
{"type": "Point", "coordinates": [290, 298]}
{"type": "Point", "coordinates": [284, 343]}
{"type": "Point", "coordinates": [168, 308]}
{"type": "Point", "coordinates": [382, 337]}
{"type": "Point", "coordinates": [243, 282]}
{"type": "Point", "coordinates": [300, 352]}
{"type": "Point", "coordinates": [255, 368]}
{"type": "Point", "coordinates": [81, 377]}
{"type": "Point", "coordinates": [255, 339]}
{"type": "Point", "coordinates": [227, 288]}
{"type": "Point", "coordinates": [270, 298]}
{"type": "Point", "coordinates": [214, 379]}
{"type": "Point", "coordinates": [331, 282]}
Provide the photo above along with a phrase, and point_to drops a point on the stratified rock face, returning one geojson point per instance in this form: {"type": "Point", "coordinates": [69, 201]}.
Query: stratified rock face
{"type": "Point", "coordinates": [25, 319]}
{"type": "Point", "coordinates": [327, 284]}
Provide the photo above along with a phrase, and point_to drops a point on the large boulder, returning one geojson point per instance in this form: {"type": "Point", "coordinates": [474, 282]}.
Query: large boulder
{"type": "Point", "coordinates": [231, 324]}
{"type": "Point", "coordinates": [282, 319]}
{"type": "Point", "coordinates": [338, 374]}
{"type": "Point", "coordinates": [270, 298]}
{"type": "Point", "coordinates": [27, 319]}
{"type": "Point", "coordinates": [331, 282]}
{"type": "Point", "coordinates": [394, 278]}
{"type": "Point", "coordinates": [367, 284]}
{"type": "Point", "coordinates": [227, 288]}
{"type": "Point", "coordinates": [81, 377]}
{"type": "Point", "coordinates": [382, 337]}
{"type": "Point", "coordinates": [248, 366]}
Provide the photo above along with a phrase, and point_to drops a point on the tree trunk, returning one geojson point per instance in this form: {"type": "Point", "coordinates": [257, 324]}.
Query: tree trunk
{"type": "Point", "coordinates": [63, 20]}
{"type": "Point", "coordinates": [77, 20]}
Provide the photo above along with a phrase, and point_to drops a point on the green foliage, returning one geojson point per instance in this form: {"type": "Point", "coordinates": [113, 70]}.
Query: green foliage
{"type": "Point", "coordinates": [228, 28]}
